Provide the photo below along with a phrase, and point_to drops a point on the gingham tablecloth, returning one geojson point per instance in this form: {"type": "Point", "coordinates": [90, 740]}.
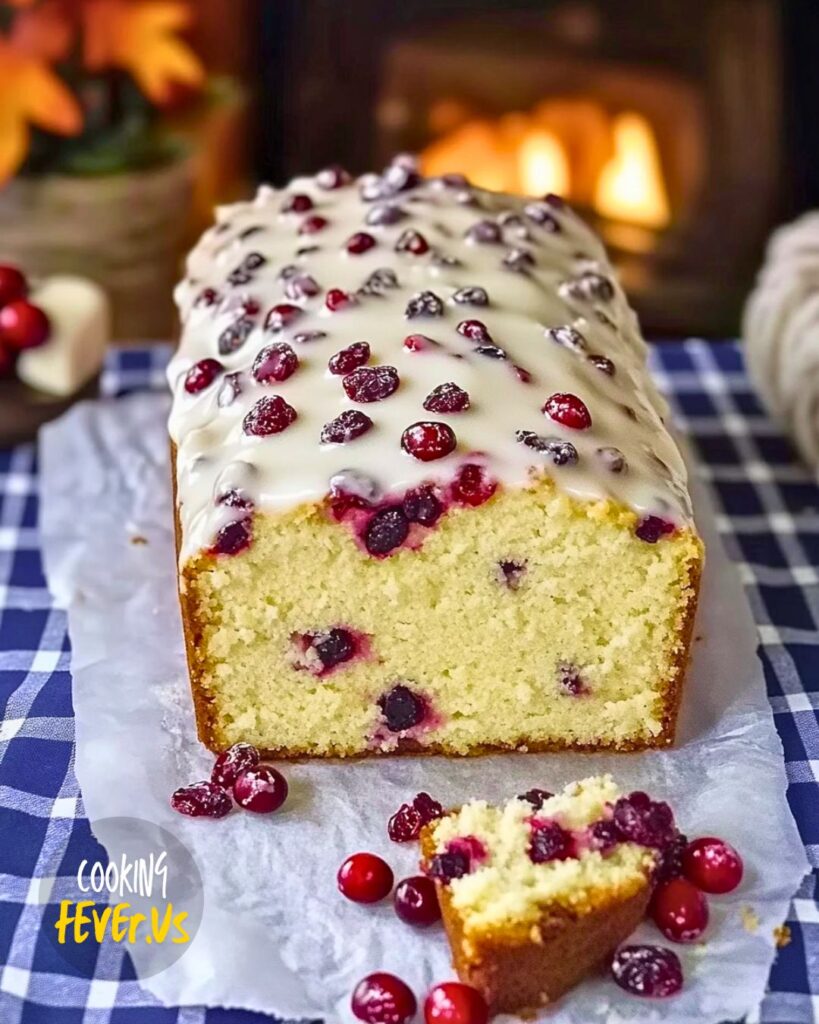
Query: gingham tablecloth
{"type": "Point", "coordinates": [768, 515]}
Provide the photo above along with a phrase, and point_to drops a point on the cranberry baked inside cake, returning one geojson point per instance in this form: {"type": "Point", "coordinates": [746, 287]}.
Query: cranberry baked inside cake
{"type": "Point", "coordinates": [425, 496]}
{"type": "Point", "coordinates": [539, 892]}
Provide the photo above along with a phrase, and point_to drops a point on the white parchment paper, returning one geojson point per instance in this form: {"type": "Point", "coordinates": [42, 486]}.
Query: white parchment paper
{"type": "Point", "coordinates": [276, 935]}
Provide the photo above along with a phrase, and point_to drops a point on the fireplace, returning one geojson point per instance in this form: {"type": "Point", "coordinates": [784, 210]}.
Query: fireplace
{"type": "Point", "coordinates": [662, 126]}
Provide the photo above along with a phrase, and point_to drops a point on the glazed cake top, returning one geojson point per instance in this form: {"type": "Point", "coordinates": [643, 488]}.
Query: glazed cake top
{"type": "Point", "coordinates": [512, 300]}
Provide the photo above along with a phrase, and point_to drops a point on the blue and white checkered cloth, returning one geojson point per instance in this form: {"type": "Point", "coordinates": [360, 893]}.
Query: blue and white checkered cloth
{"type": "Point", "coordinates": [768, 515]}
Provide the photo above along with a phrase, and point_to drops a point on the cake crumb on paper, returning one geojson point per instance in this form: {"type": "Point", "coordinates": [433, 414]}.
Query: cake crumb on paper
{"type": "Point", "coordinates": [750, 919]}
{"type": "Point", "coordinates": [139, 539]}
{"type": "Point", "coordinates": [782, 936]}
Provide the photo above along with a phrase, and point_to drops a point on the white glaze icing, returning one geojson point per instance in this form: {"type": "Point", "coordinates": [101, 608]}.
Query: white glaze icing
{"type": "Point", "coordinates": [291, 467]}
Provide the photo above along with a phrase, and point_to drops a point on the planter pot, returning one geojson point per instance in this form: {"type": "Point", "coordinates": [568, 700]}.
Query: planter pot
{"type": "Point", "coordinates": [125, 231]}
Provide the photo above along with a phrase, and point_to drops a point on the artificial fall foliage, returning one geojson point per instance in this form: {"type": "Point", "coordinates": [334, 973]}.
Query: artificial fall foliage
{"type": "Point", "coordinates": [46, 38]}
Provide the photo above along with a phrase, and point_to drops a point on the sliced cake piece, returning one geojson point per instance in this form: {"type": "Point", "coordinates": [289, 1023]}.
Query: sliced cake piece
{"type": "Point", "coordinates": [538, 893]}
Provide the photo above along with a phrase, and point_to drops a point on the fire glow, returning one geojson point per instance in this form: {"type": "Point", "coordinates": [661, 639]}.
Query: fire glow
{"type": "Point", "coordinates": [610, 163]}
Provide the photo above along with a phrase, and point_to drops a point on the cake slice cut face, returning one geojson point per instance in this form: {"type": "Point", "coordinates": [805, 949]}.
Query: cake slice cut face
{"type": "Point", "coordinates": [535, 898]}
{"type": "Point", "coordinates": [426, 500]}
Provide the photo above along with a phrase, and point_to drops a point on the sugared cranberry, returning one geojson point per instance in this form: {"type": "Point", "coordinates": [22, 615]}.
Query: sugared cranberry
{"type": "Point", "coordinates": [207, 297]}
{"type": "Point", "coordinates": [235, 335]}
{"type": "Point", "coordinates": [603, 364]}
{"type": "Point", "coordinates": [202, 800]}
{"type": "Point", "coordinates": [679, 910]}
{"type": "Point", "coordinates": [305, 337]}
{"type": "Point", "coordinates": [647, 971]}
{"type": "Point", "coordinates": [365, 878]}
{"type": "Point", "coordinates": [233, 537]}
{"type": "Point", "coordinates": [313, 224]}
{"type": "Point", "coordinates": [639, 819]}
{"type": "Point", "coordinates": [402, 709]}
{"type": "Point", "coordinates": [407, 822]}
{"type": "Point", "coordinates": [231, 762]}
{"type": "Point", "coordinates": [485, 231]}
{"type": "Point", "coordinates": [359, 243]}
{"type": "Point", "coordinates": [275, 363]}
{"type": "Point", "coordinates": [471, 296]}
{"type": "Point", "coordinates": [455, 1003]}
{"type": "Point", "coordinates": [334, 176]}
{"type": "Point", "coordinates": [23, 325]}
{"type": "Point", "coordinates": [350, 358]}
{"type": "Point", "coordinates": [567, 337]}
{"type": "Point", "coordinates": [301, 286]}
{"type": "Point", "coordinates": [229, 389]}
{"type": "Point", "coordinates": [422, 506]}
{"type": "Point", "coordinates": [603, 836]}
{"type": "Point", "coordinates": [381, 280]}
{"type": "Point", "coordinates": [568, 410]}
{"type": "Point", "coordinates": [652, 528]}
{"type": "Point", "coordinates": [281, 316]}
{"type": "Point", "coordinates": [260, 789]}
{"type": "Point", "coordinates": [337, 299]}
{"type": "Point", "coordinates": [561, 453]}
{"type": "Point", "coordinates": [13, 284]}
{"type": "Point", "coordinates": [419, 343]}
{"type": "Point", "coordinates": [519, 261]}
{"type": "Point", "coordinates": [347, 426]}
{"type": "Point", "coordinates": [712, 865]}
{"type": "Point", "coordinates": [416, 901]}
{"type": "Point", "coordinates": [589, 287]}
{"type": "Point", "coordinates": [382, 998]}
{"type": "Point", "coordinates": [202, 375]}
{"type": "Point", "coordinates": [334, 646]}
{"type": "Point", "coordinates": [298, 202]}
{"type": "Point", "coordinates": [387, 530]}
{"type": "Point", "coordinates": [381, 216]}
{"type": "Point", "coordinates": [511, 573]}
{"type": "Point", "coordinates": [536, 797]}
{"type": "Point", "coordinates": [447, 398]}
{"type": "Point", "coordinates": [472, 486]}
{"type": "Point", "coordinates": [491, 351]}
{"type": "Point", "coordinates": [428, 440]}
{"type": "Point", "coordinates": [424, 304]}
{"type": "Point", "coordinates": [371, 383]}
{"type": "Point", "coordinates": [270, 415]}
{"type": "Point", "coordinates": [613, 459]}
{"type": "Point", "coordinates": [475, 330]}
{"type": "Point", "coordinates": [548, 842]}
{"type": "Point", "coordinates": [413, 242]}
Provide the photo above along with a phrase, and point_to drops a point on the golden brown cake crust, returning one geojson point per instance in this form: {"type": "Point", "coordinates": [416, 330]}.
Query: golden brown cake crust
{"type": "Point", "coordinates": [518, 972]}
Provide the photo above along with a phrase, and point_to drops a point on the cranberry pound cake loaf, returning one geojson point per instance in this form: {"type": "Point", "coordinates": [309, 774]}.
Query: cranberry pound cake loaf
{"type": "Point", "coordinates": [425, 497]}
{"type": "Point", "coordinates": [538, 893]}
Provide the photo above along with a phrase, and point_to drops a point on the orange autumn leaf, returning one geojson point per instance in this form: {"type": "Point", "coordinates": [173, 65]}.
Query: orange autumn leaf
{"type": "Point", "coordinates": [140, 36]}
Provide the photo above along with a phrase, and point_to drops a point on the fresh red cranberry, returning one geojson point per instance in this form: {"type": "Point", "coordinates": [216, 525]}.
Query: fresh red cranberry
{"type": "Point", "coordinates": [202, 800]}
{"type": "Point", "coordinates": [679, 910]}
{"type": "Point", "coordinates": [387, 530]}
{"type": "Point", "coordinates": [647, 971]}
{"type": "Point", "coordinates": [548, 842]}
{"type": "Point", "coordinates": [281, 316]}
{"type": "Point", "coordinates": [422, 506]}
{"type": "Point", "coordinates": [207, 297]}
{"type": "Point", "coordinates": [475, 330]}
{"type": "Point", "coordinates": [382, 998]}
{"type": "Point", "coordinates": [523, 375]}
{"type": "Point", "coordinates": [13, 284]}
{"type": "Point", "coordinates": [297, 203]}
{"type": "Point", "coordinates": [402, 709]}
{"type": "Point", "coordinates": [350, 358]}
{"type": "Point", "coordinates": [23, 325]}
{"type": "Point", "coordinates": [337, 299]}
{"type": "Point", "coordinates": [652, 528]}
{"type": "Point", "coordinates": [712, 865]}
{"type": "Point", "coordinates": [429, 440]}
{"type": "Point", "coordinates": [347, 426]}
{"type": "Point", "coordinates": [8, 360]}
{"type": "Point", "coordinates": [270, 415]}
{"type": "Point", "coordinates": [231, 762]}
{"type": "Point", "coordinates": [313, 224]}
{"type": "Point", "coordinates": [639, 819]}
{"type": "Point", "coordinates": [419, 343]}
{"type": "Point", "coordinates": [365, 878]}
{"type": "Point", "coordinates": [413, 242]}
{"type": "Point", "coordinates": [360, 242]}
{"type": "Point", "coordinates": [568, 410]}
{"type": "Point", "coordinates": [260, 789]}
{"type": "Point", "coordinates": [334, 176]}
{"type": "Point", "coordinates": [447, 398]}
{"type": "Point", "coordinates": [407, 822]}
{"type": "Point", "coordinates": [536, 797]}
{"type": "Point", "coordinates": [455, 1003]}
{"type": "Point", "coordinates": [371, 383]}
{"type": "Point", "coordinates": [233, 537]}
{"type": "Point", "coordinates": [275, 363]}
{"type": "Point", "coordinates": [472, 486]}
{"type": "Point", "coordinates": [416, 901]}
{"type": "Point", "coordinates": [202, 375]}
